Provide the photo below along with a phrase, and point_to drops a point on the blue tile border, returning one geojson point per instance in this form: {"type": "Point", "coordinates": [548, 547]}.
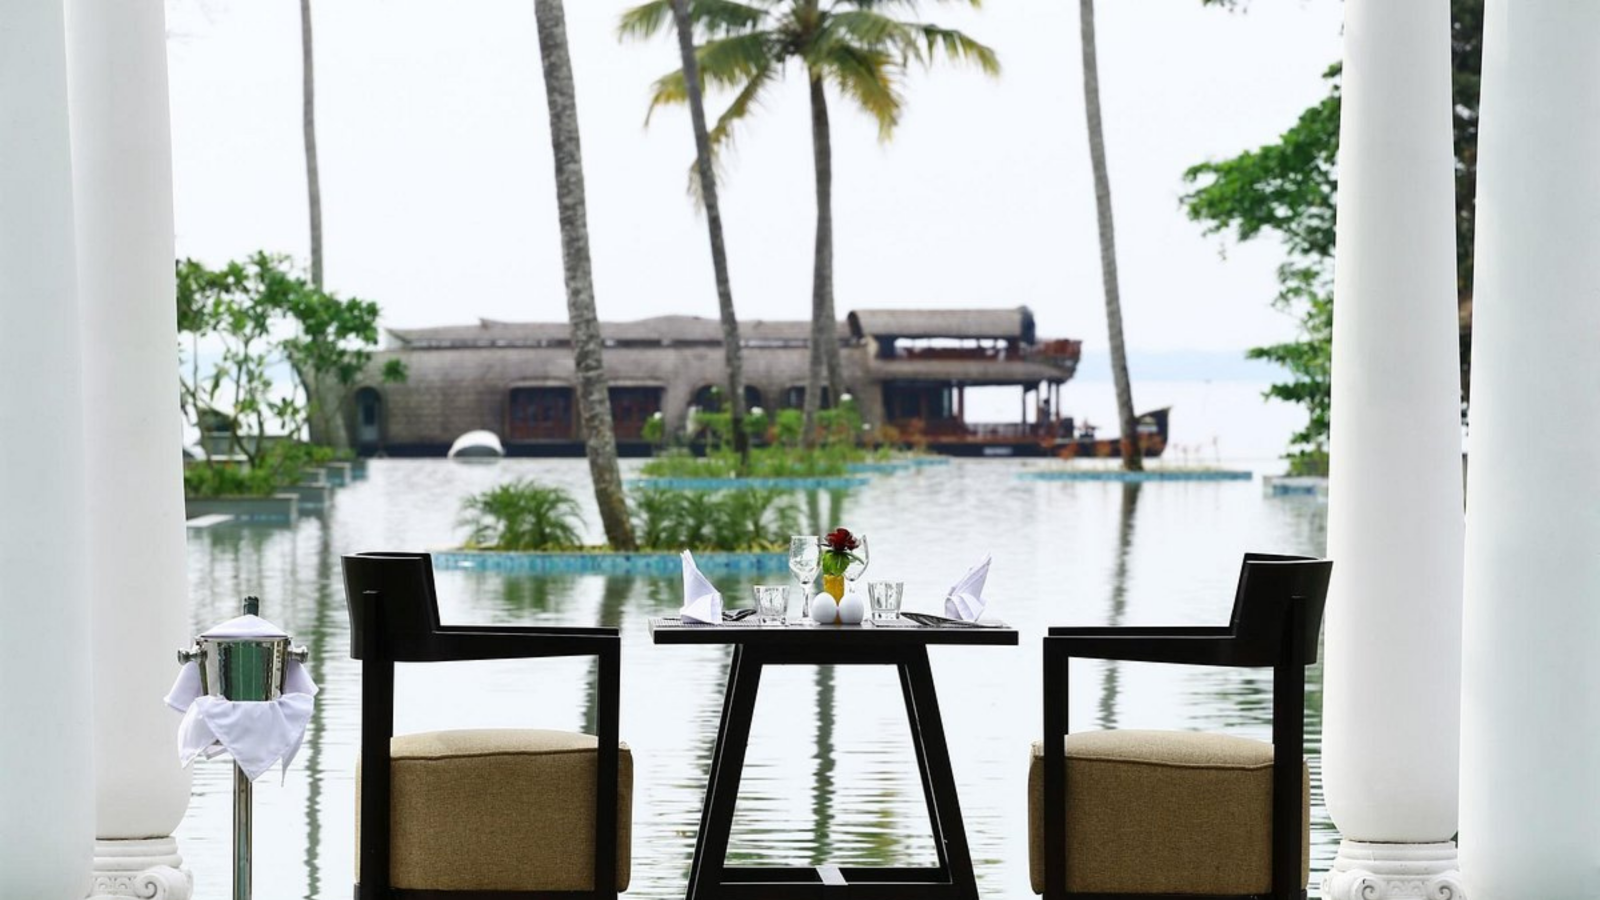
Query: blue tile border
{"type": "Point", "coordinates": [928, 461]}
{"type": "Point", "coordinates": [607, 563]}
{"type": "Point", "coordinates": [1153, 475]}
{"type": "Point", "coordinates": [879, 468]}
{"type": "Point", "coordinates": [730, 484]}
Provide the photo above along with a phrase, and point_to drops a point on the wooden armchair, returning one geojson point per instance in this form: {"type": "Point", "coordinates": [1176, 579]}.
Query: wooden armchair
{"type": "Point", "coordinates": [484, 814]}
{"type": "Point", "coordinates": [1150, 814]}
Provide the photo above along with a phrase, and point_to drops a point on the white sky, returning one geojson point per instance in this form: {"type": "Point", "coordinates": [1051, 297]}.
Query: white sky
{"type": "Point", "coordinates": [438, 194]}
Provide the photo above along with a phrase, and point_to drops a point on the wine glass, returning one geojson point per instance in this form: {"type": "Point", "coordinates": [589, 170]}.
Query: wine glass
{"type": "Point", "coordinates": [858, 561]}
{"type": "Point", "coordinates": [805, 558]}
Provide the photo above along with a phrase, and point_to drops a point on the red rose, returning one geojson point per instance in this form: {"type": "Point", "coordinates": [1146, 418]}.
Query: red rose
{"type": "Point", "coordinates": [840, 540]}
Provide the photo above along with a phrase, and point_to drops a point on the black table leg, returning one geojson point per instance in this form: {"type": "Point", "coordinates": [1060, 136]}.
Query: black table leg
{"type": "Point", "coordinates": [939, 779]}
{"type": "Point", "coordinates": [722, 792]}
{"type": "Point", "coordinates": [716, 762]}
{"type": "Point", "coordinates": [928, 795]}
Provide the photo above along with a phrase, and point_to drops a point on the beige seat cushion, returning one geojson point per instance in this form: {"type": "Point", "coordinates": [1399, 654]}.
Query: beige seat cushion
{"type": "Point", "coordinates": [1164, 812]}
{"type": "Point", "coordinates": [499, 810]}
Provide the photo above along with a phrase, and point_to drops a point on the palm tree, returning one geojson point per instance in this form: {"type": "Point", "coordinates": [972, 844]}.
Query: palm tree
{"type": "Point", "coordinates": [594, 403]}
{"type": "Point", "coordinates": [1132, 455]}
{"type": "Point", "coordinates": [852, 43]}
{"type": "Point", "coordinates": [707, 183]}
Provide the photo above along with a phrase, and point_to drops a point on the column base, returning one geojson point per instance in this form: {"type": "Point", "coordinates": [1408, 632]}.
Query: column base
{"type": "Point", "coordinates": [1367, 871]}
{"type": "Point", "coordinates": [147, 869]}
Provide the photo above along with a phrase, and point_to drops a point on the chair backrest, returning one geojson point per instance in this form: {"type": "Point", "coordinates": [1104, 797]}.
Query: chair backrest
{"type": "Point", "coordinates": [406, 604]}
{"type": "Point", "coordinates": [1268, 586]}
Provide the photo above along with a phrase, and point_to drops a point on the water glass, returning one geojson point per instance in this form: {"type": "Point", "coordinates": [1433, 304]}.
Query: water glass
{"type": "Point", "coordinates": [772, 603]}
{"type": "Point", "coordinates": [883, 597]}
{"type": "Point", "coordinates": [805, 559]}
{"type": "Point", "coordinates": [858, 561]}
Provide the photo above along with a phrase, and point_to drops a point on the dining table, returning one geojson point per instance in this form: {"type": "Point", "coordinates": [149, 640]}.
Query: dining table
{"type": "Point", "coordinates": [901, 642]}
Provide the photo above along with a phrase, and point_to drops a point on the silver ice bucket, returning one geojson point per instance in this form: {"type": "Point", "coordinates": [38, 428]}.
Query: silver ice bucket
{"type": "Point", "coordinates": [250, 669]}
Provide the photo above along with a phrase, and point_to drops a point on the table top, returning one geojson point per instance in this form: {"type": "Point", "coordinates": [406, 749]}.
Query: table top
{"type": "Point", "coordinates": [869, 634]}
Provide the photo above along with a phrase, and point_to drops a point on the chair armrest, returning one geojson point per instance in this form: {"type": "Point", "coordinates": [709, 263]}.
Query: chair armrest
{"type": "Point", "coordinates": [1142, 631]}
{"type": "Point", "coordinates": [1200, 647]}
{"type": "Point", "coordinates": [461, 644]}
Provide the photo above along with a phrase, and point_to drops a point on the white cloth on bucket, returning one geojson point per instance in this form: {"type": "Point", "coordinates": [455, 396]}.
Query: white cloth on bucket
{"type": "Point", "coordinates": [251, 627]}
{"type": "Point", "coordinates": [701, 603]}
{"type": "Point", "coordinates": [257, 734]}
{"type": "Point", "coordinates": [965, 599]}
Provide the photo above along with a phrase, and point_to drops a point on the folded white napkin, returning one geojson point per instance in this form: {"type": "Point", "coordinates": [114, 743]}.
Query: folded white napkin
{"type": "Point", "coordinates": [256, 734]}
{"type": "Point", "coordinates": [253, 627]}
{"type": "Point", "coordinates": [701, 602]}
{"type": "Point", "coordinates": [965, 599]}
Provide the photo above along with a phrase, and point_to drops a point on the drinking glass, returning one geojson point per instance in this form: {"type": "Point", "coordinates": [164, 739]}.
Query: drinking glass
{"type": "Point", "coordinates": [884, 598]}
{"type": "Point", "coordinates": [772, 603]}
{"type": "Point", "coordinates": [805, 558]}
{"type": "Point", "coordinates": [858, 565]}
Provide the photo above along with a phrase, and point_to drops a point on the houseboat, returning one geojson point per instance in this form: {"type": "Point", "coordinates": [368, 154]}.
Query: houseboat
{"type": "Point", "coordinates": [909, 369]}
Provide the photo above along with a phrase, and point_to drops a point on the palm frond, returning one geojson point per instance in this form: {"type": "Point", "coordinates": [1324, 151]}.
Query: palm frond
{"type": "Point", "coordinates": [721, 134]}
{"type": "Point", "coordinates": [908, 5]}
{"type": "Point", "coordinates": [711, 18]}
{"type": "Point", "coordinates": [958, 47]}
{"type": "Point", "coordinates": [869, 77]}
{"type": "Point", "coordinates": [872, 31]}
{"type": "Point", "coordinates": [731, 62]}
{"type": "Point", "coordinates": [645, 20]}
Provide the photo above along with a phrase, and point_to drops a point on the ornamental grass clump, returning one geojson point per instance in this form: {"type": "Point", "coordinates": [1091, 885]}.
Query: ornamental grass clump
{"type": "Point", "coordinates": [522, 515]}
{"type": "Point", "coordinates": [747, 519]}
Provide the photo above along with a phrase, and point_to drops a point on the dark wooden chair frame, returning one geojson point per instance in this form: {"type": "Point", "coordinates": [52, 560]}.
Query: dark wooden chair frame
{"type": "Point", "coordinates": [1277, 616]}
{"type": "Point", "coordinates": [394, 618]}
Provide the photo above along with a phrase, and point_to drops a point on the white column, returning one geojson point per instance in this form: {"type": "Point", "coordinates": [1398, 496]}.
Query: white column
{"type": "Point", "coordinates": [46, 765]}
{"type": "Point", "coordinates": [1391, 720]}
{"type": "Point", "coordinates": [1530, 823]}
{"type": "Point", "coordinates": [122, 165]}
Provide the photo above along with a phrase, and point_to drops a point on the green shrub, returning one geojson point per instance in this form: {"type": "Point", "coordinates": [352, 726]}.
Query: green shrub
{"type": "Point", "coordinates": [205, 480]}
{"type": "Point", "coordinates": [521, 515]}
{"type": "Point", "coordinates": [743, 519]}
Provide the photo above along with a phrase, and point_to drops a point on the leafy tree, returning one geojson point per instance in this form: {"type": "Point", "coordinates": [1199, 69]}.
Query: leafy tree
{"type": "Point", "coordinates": [594, 400]}
{"type": "Point", "coordinates": [746, 46]}
{"type": "Point", "coordinates": [262, 314]}
{"type": "Point", "coordinates": [1289, 188]}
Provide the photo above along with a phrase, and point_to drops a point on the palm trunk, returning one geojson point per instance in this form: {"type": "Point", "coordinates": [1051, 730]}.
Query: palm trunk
{"type": "Point", "coordinates": [594, 402]}
{"type": "Point", "coordinates": [309, 126]}
{"type": "Point", "coordinates": [1132, 456]}
{"type": "Point", "coordinates": [325, 426]}
{"type": "Point", "coordinates": [731, 350]}
{"type": "Point", "coordinates": [824, 327]}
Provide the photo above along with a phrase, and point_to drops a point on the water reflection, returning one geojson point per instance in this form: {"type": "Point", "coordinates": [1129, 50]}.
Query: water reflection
{"type": "Point", "coordinates": [1118, 607]}
{"type": "Point", "coordinates": [831, 776]}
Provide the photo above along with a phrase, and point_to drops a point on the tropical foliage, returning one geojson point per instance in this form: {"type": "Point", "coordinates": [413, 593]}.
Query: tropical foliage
{"type": "Point", "coordinates": [743, 519]}
{"type": "Point", "coordinates": [854, 45]}
{"type": "Point", "coordinates": [261, 313]}
{"type": "Point", "coordinates": [1289, 188]}
{"type": "Point", "coordinates": [522, 515]}
{"type": "Point", "coordinates": [279, 463]}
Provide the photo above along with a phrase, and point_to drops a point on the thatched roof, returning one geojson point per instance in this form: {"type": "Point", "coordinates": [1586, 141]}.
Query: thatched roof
{"type": "Point", "coordinates": [1008, 324]}
{"type": "Point", "coordinates": [658, 330]}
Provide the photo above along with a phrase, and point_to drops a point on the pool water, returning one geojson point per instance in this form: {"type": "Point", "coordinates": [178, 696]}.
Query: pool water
{"type": "Point", "coordinates": [830, 775]}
